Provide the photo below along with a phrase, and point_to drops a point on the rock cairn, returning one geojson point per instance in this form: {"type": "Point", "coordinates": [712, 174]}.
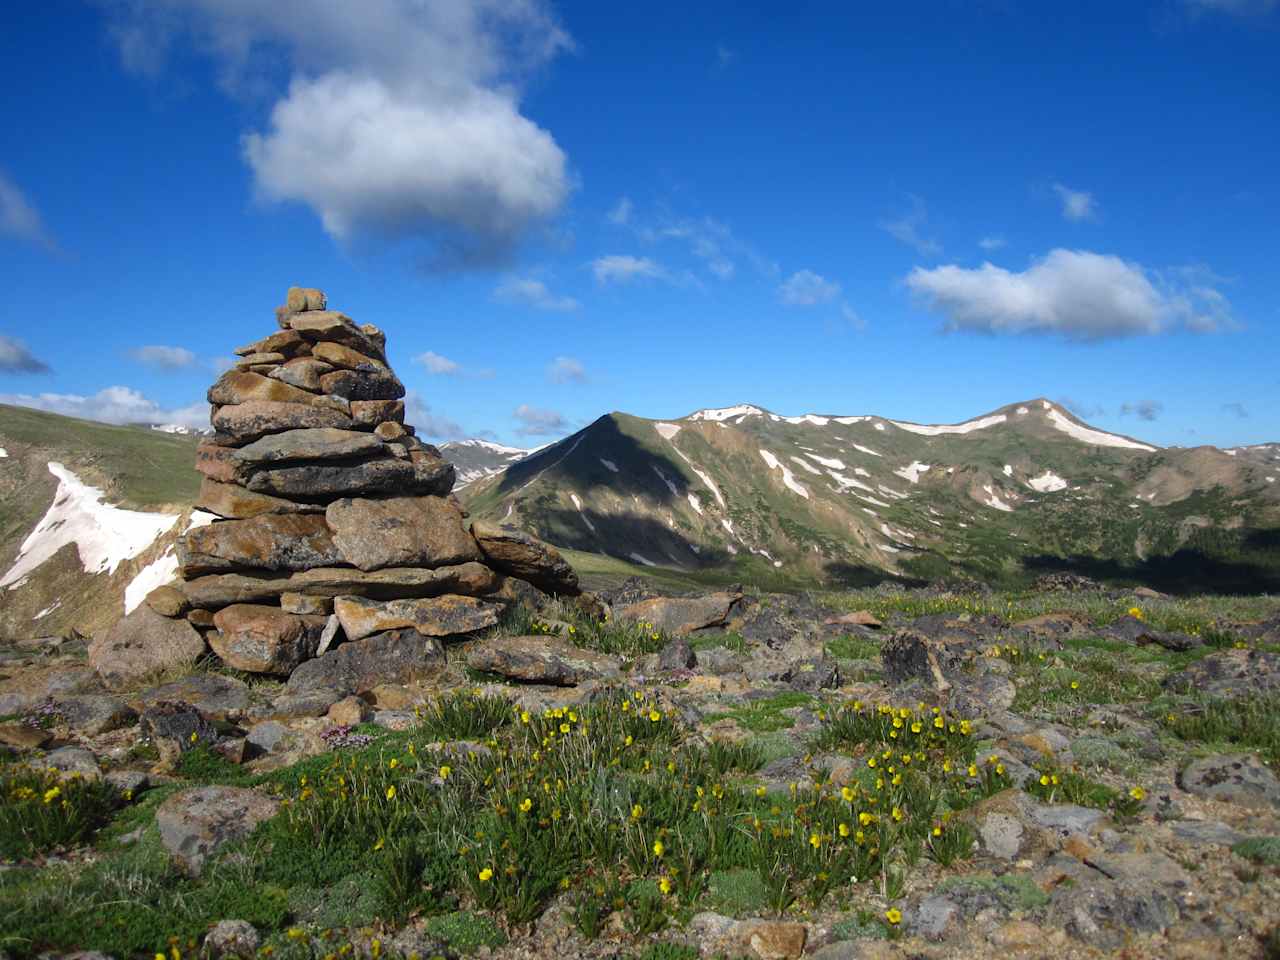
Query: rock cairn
{"type": "Point", "coordinates": [339, 557]}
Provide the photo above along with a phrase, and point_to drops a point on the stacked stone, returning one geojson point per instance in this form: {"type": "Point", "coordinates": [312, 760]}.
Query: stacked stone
{"type": "Point", "coordinates": [337, 537]}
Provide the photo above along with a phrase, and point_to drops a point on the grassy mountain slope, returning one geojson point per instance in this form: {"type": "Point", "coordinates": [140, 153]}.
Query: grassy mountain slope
{"type": "Point", "coordinates": [1022, 490]}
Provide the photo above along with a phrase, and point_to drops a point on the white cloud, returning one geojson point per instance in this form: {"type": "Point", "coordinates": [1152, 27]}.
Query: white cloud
{"type": "Point", "coordinates": [436, 363]}
{"type": "Point", "coordinates": [19, 218]}
{"type": "Point", "coordinates": [1075, 293]}
{"type": "Point", "coordinates": [852, 317]}
{"type": "Point", "coordinates": [706, 238]}
{"type": "Point", "coordinates": [804, 288]}
{"type": "Point", "coordinates": [16, 358]}
{"type": "Point", "coordinates": [417, 413]}
{"type": "Point", "coordinates": [621, 212]}
{"type": "Point", "coordinates": [533, 293]}
{"type": "Point", "coordinates": [622, 268]}
{"type": "Point", "coordinates": [994, 242]}
{"type": "Point", "coordinates": [566, 370]}
{"type": "Point", "coordinates": [536, 422]}
{"type": "Point", "coordinates": [908, 229]}
{"type": "Point", "coordinates": [401, 119]}
{"type": "Point", "coordinates": [163, 358]}
{"type": "Point", "coordinates": [113, 405]}
{"type": "Point", "coordinates": [1077, 205]}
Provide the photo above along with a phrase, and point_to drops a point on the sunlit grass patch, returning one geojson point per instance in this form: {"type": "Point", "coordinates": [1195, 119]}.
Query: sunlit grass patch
{"type": "Point", "coordinates": [41, 810]}
{"type": "Point", "coordinates": [1252, 722]}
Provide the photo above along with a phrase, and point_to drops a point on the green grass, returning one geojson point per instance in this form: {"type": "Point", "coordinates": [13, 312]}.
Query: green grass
{"type": "Point", "coordinates": [466, 932]}
{"type": "Point", "coordinates": [40, 811]}
{"type": "Point", "coordinates": [766, 715]}
{"type": "Point", "coordinates": [1252, 723]}
{"type": "Point", "coordinates": [1264, 850]}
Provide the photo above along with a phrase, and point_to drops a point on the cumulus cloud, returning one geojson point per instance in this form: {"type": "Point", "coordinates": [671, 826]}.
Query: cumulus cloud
{"type": "Point", "coordinates": [113, 405]}
{"type": "Point", "coordinates": [533, 293]}
{"type": "Point", "coordinates": [994, 242]}
{"type": "Point", "coordinates": [163, 358]}
{"type": "Point", "coordinates": [1077, 205]}
{"type": "Point", "coordinates": [1073, 293]}
{"type": "Point", "coordinates": [16, 358]}
{"type": "Point", "coordinates": [438, 365]}
{"type": "Point", "coordinates": [19, 217]}
{"type": "Point", "coordinates": [1082, 409]}
{"type": "Point", "coordinates": [804, 288]}
{"type": "Point", "coordinates": [417, 413]}
{"type": "Point", "coordinates": [1238, 409]}
{"type": "Point", "coordinates": [909, 229]}
{"type": "Point", "coordinates": [566, 370]}
{"type": "Point", "coordinates": [1143, 409]}
{"type": "Point", "coordinates": [621, 212]}
{"type": "Point", "coordinates": [536, 422]}
{"type": "Point", "coordinates": [401, 119]}
{"type": "Point", "coordinates": [623, 268]}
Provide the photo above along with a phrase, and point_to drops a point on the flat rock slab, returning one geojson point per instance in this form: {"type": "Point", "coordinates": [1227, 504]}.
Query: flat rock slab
{"type": "Point", "coordinates": [234, 502]}
{"type": "Point", "coordinates": [94, 714]}
{"type": "Point", "coordinates": [355, 667]}
{"type": "Point", "coordinates": [434, 617]}
{"type": "Point", "coordinates": [321, 443]}
{"type": "Point", "coordinates": [385, 474]}
{"type": "Point", "coordinates": [257, 418]}
{"type": "Point", "coordinates": [400, 531]}
{"type": "Point", "coordinates": [290, 541]}
{"type": "Point", "coordinates": [142, 644]}
{"type": "Point", "coordinates": [1233, 778]}
{"type": "Point", "coordinates": [539, 660]}
{"type": "Point", "coordinates": [23, 736]}
{"type": "Point", "coordinates": [680, 616]}
{"type": "Point", "coordinates": [194, 824]}
{"type": "Point", "coordinates": [219, 590]}
{"type": "Point", "coordinates": [517, 553]}
{"type": "Point", "coordinates": [74, 762]}
{"type": "Point", "coordinates": [216, 696]}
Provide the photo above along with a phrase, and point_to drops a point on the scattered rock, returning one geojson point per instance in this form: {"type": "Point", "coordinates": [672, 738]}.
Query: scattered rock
{"type": "Point", "coordinates": [167, 600]}
{"type": "Point", "coordinates": [214, 695]}
{"type": "Point", "coordinates": [434, 616]}
{"type": "Point", "coordinates": [195, 823]}
{"type": "Point", "coordinates": [400, 532]}
{"type": "Point", "coordinates": [262, 639]}
{"type": "Point", "coordinates": [528, 558]}
{"type": "Point", "coordinates": [1232, 778]}
{"type": "Point", "coordinates": [232, 938]}
{"type": "Point", "coordinates": [354, 667]}
{"type": "Point", "coordinates": [141, 645]}
{"type": "Point", "coordinates": [680, 616]}
{"type": "Point", "coordinates": [74, 761]}
{"type": "Point", "coordinates": [23, 736]}
{"type": "Point", "coordinates": [93, 714]}
{"type": "Point", "coordinates": [1229, 674]}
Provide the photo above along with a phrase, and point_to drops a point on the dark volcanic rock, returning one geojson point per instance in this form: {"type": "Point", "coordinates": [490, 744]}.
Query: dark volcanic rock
{"type": "Point", "coordinates": [357, 666]}
{"type": "Point", "coordinates": [363, 385]}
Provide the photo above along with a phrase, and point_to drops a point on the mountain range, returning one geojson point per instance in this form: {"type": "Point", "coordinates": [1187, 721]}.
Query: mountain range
{"type": "Point", "coordinates": [89, 512]}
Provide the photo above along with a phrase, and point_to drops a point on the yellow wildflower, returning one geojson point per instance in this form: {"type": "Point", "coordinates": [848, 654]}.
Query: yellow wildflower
{"type": "Point", "coordinates": [1137, 793]}
{"type": "Point", "coordinates": [654, 716]}
{"type": "Point", "coordinates": [526, 805]}
{"type": "Point", "coordinates": [52, 794]}
{"type": "Point", "coordinates": [893, 915]}
{"type": "Point", "coordinates": [444, 772]}
{"type": "Point", "coordinates": [847, 794]}
{"type": "Point", "coordinates": [658, 848]}
{"type": "Point", "coordinates": [486, 875]}
{"type": "Point", "coordinates": [391, 792]}
{"type": "Point", "coordinates": [664, 884]}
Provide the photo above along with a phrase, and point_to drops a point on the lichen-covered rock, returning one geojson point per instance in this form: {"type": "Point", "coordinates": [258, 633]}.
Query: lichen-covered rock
{"type": "Point", "coordinates": [540, 660]}
{"type": "Point", "coordinates": [376, 475]}
{"type": "Point", "coordinates": [518, 554]}
{"type": "Point", "coordinates": [234, 502]}
{"type": "Point", "coordinates": [355, 667]}
{"type": "Point", "coordinates": [321, 443]}
{"type": "Point", "coordinates": [244, 422]}
{"type": "Point", "coordinates": [218, 590]}
{"type": "Point", "coordinates": [1232, 778]}
{"type": "Point", "coordinates": [262, 639]}
{"type": "Point", "coordinates": [195, 823]}
{"type": "Point", "coordinates": [289, 541]}
{"type": "Point", "coordinates": [443, 616]}
{"type": "Point", "coordinates": [142, 644]}
{"type": "Point", "coordinates": [400, 532]}
{"type": "Point", "coordinates": [678, 616]}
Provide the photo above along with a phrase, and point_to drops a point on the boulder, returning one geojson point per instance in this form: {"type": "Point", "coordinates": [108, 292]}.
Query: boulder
{"type": "Point", "coordinates": [434, 617]}
{"type": "Point", "coordinates": [291, 541]}
{"type": "Point", "coordinates": [355, 667]}
{"type": "Point", "coordinates": [540, 660]}
{"type": "Point", "coordinates": [249, 421]}
{"type": "Point", "coordinates": [231, 938]}
{"type": "Point", "coordinates": [370, 413]}
{"type": "Point", "coordinates": [175, 728]}
{"type": "Point", "coordinates": [400, 531]}
{"type": "Point", "coordinates": [23, 736]}
{"type": "Point", "coordinates": [363, 385]}
{"type": "Point", "coordinates": [516, 553]}
{"type": "Point", "coordinates": [299, 299]}
{"type": "Point", "coordinates": [195, 823]}
{"type": "Point", "coordinates": [93, 714]}
{"type": "Point", "coordinates": [321, 481]}
{"type": "Point", "coordinates": [141, 644]}
{"type": "Point", "coordinates": [233, 502]}
{"type": "Point", "coordinates": [74, 762]}
{"type": "Point", "coordinates": [301, 372]}
{"type": "Point", "coordinates": [390, 430]}
{"type": "Point", "coordinates": [680, 616]}
{"type": "Point", "coordinates": [1229, 674]}
{"type": "Point", "coordinates": [322, 443]}
{"type": "Point", "coordinates": [1232, 778]}
{"type": "Point", "coordinates": [215, 461]}
{"type": "Point", "coordinates": [218, 590]}
{"type": "Point", "coordinates": [262, 639]}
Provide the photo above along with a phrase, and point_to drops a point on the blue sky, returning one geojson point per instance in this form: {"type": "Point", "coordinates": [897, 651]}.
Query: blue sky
{"type": "Point", "coordinates": [557, 210]}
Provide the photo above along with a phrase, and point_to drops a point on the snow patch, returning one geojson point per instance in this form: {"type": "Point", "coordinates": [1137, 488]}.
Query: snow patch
{"type": "Point", "coordinates": [927, 430]}
{"type": "Point", "coordinates": [870, 511]}
{"type": "Point", "coordinates": [488, 445]}
{"type": "Point", "coordinates": [849, 482]}
{"type": "Point", "coordinates": [865, 450]}
{"type": "Point", "coordinates": [585, 519]}
{"type": "Point", "coordinates": [1008, 470]}
{"type": "Point", "coordinates": [1229, 453]}
{"type": "Point", "coordinates": [862, 473]}
{"type": "Point", "coordinates": [3, 453]}
{"type": "Point", "coordinates": [1271, 479]}
{"type": "Point", "coordinates": [807, 465]}
{"type": "Point", "coordinates": [788, 478]}
{"type": "Point", "coordinates": [670, 486]}
{"type": "Point", "coordinates": [831, 462]}
{"type": "Point", "coordinates": [888, 549]}
{"type": "Point", "coordinates": [639, 559]}
{"type": "Point", "coordinates": [1023, 411]}
{"type": "Point", "coordinates": [995, 501]}
{"type": "Point", "coordinates": [1047, 482]}
{"type": "Point", "coordinates": [913, 471]}
{"type": "Point", "coordinates": [695, 503]}
{"type": "Point", "coordinates": [849, 421]}
{"type": "Point", "coordinates": [1088, 435]}
{"type": "Point", "coordinates": [879, 426]}
{"type": "Point", "coordinates": [47, 610]}
{"type": "Point", "coordinates": [104, 535]}
{"type": "Point", "coordinates": [667, 430]}
{"type": "Point", "coordinates": [812, 418]}
{"type": "Point", "coordinates": [878, 503]}
{"type": "Point", "coordinates": [890, 492]}
{"type": "Point", "coordinates": [163, 569]}
{"type": "Point", "coordinates": [609, 464]}
{"type": "Point", "coordinates": [742, 410]}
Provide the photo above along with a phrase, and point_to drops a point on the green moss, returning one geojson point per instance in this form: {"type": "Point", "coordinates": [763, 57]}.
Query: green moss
{"type": "Point", "coordinates": [1265, 850]}
{"type": "Point", "coordinates": [737, 893]}
{"type": "Point", "coordinates": [466, 932]}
